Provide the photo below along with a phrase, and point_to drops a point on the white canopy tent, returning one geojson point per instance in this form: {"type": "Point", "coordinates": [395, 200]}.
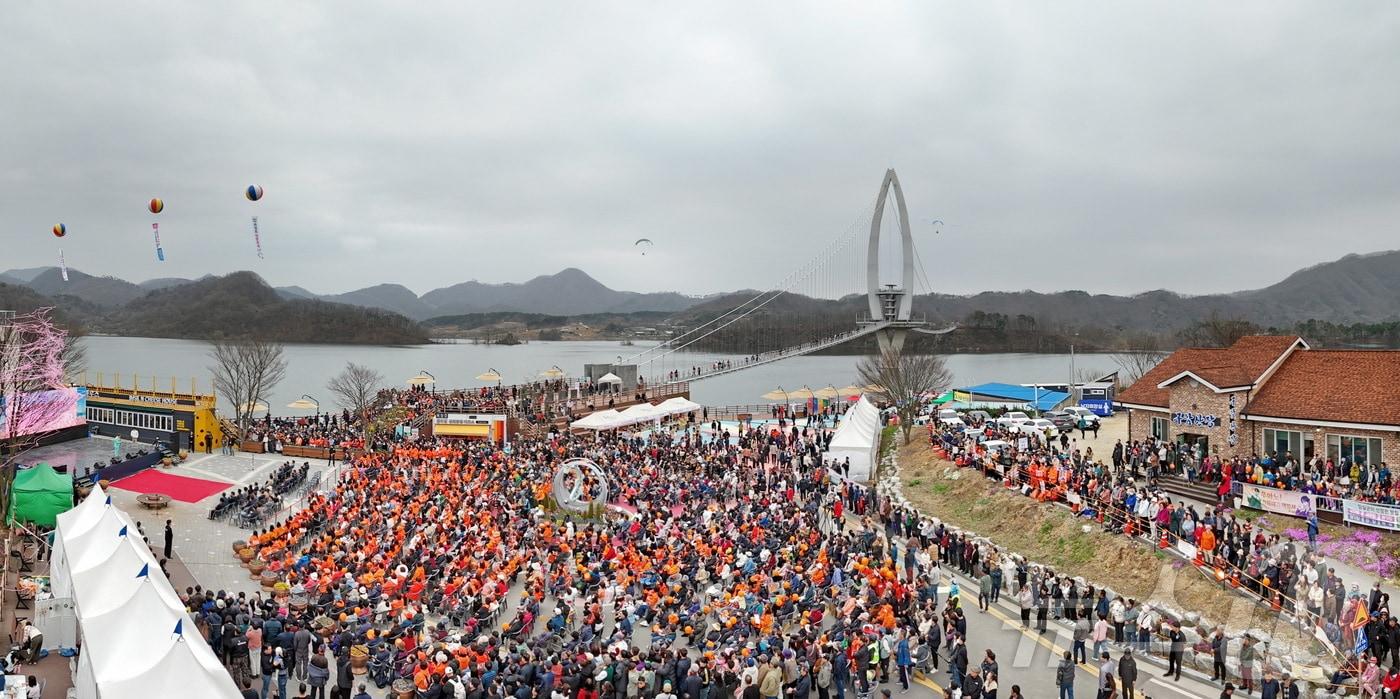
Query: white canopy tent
{"type": "Point", "coordinates": [858, 438]}
{"type": "Point", "coordinates": [610, 378]}
{"type": "Point", "coordinates": [137, 640]}
{"type": "Point", "coordinates": [679, 406]}
{"type": "Point", "coordinates": [641, 412]}
{"type": "Point", "coordinates": [600, 420]}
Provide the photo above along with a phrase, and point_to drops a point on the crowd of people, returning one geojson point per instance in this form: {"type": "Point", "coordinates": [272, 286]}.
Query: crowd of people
{"type": "Point", "coordinates": [252, 503]}
{"type": "Point", "coordinates": [734, 566]}
{"type": "Point", "coordinates": [1123, 495]}
{"type": "Point", "coordinates": [322, 430]}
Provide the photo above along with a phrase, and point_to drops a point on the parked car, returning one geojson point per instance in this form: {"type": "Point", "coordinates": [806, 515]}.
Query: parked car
{"type": "Point", "coordinates": [1079, 411]}
{"type": "Point", "coordinates": [996, 445]}
{"type": "Point", "coordinates": [945, 414]}
{"type": "Point", "coordinates": [1062, 420]}
{"type": "Point", "coordinates": [1012, 418]}
{"type": "Point", "coordinates": [1037, 425]}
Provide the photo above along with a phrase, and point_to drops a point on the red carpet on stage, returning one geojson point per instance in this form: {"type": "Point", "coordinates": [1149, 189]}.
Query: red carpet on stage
{"type": "Point", "coordinates": [180, 488]}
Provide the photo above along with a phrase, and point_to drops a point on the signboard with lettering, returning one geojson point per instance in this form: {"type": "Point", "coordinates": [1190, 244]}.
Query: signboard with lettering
{"type": "Point", "coordinates": [1195, 420]}
{"type": "Point", "coordinates": [1284, 502]}
{"type": "Point", "coordinates": [1371, 515]}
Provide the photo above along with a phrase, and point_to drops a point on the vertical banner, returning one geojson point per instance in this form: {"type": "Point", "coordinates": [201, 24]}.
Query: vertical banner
{"type": "Point", "coordinates": [257, 240]}
{"type": "Point", "coordinates": [160, 252]}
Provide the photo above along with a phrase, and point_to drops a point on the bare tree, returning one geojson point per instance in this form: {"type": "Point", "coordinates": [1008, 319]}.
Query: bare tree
{"type": "Point", "coordinates": [904, 379]}
{"type": "Point", "coordinates": [245, 372]}
{"type": "Point", "coordinates": [356, 386]}
{"type": "Point", "coordinates": [1216, 331]}
{"type": "Point", "coordinates": [1133, 364]}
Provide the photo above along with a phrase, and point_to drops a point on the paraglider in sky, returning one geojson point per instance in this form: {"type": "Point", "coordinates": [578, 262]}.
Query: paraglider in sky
{"type": "Point", "coordinates": [644, 243]}
{"type": "Point", "coordinates": [937, 226]}
{"type": "Point", "coordinates": [254, 193]}
{"type": "Point", "coordinates": [156, 206]}
{"type": "Point", "coordinates": [60, 230]}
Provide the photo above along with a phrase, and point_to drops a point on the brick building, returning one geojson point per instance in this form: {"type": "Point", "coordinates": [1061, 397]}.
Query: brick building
{"type": "Point", "coordinates": [1270, 393]}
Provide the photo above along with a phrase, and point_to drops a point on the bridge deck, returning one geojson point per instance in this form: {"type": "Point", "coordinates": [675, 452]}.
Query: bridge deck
{"type": "Point", "coordinates": [788, 352]}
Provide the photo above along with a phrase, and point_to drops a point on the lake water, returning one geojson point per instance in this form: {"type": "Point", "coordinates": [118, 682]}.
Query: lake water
{"type": "Point", "coordinates": [309, 367]}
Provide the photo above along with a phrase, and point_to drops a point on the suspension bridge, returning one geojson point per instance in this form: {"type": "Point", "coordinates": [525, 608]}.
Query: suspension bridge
{"type": "Point", "coordinates": [835, 298]}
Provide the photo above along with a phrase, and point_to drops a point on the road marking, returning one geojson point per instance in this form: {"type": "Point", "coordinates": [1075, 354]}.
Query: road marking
{"type": "Point", "coordinates": [1059, 650]}
{"type": "Point", "coordinates": [923, 679]}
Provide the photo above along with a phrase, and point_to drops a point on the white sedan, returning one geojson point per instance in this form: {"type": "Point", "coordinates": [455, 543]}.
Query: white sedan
{"type": "Point", "coordinates": [1036, 426]}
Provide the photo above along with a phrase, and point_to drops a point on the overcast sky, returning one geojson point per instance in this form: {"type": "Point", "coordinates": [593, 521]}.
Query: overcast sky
{"type": "Point", "coordinates": [1111, 147]}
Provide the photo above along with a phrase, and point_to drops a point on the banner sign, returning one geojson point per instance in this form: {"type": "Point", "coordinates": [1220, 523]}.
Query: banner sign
{"type": "Point", "coordinates": [1195, 420]}
{"type": "Point", "coordinates": [1371, 515]}
{"type": "Point", "coordinates": [1284, 502]}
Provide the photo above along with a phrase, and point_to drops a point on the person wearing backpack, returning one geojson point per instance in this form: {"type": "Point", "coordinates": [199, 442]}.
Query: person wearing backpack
{"type": "Point", "coordinates": [1064, 676]}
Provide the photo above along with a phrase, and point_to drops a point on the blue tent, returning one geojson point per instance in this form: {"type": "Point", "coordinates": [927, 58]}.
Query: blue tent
{"type": "Point", "coordinates": [1040, 399]}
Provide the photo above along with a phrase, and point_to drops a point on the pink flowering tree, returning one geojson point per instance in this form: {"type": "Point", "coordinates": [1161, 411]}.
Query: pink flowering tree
{"type": "Point", "coordinates": [34, 396]}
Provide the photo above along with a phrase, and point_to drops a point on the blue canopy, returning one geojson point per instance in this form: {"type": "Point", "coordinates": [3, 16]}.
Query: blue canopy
{"type": "Point", "coordinates": [1040, 399]}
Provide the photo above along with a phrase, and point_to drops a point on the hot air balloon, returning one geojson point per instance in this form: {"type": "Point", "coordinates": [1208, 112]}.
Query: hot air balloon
{"type": "Point", "coordinates": [253, 193]}
{"type": "Point", "coordinates": [60, 230]}
{"type": "Point", "coordinates": [156, 206]}
{"type": "Point", "coordinates": [644, 243]}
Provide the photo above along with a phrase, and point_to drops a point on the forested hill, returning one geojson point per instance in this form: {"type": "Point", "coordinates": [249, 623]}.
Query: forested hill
{"type": "Point", "coordinates": [239, 305]}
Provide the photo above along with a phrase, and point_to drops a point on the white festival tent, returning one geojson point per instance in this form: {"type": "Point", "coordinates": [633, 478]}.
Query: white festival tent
{"type": "Point", "coordinates": [858, 438]}
{"type": "Point", "coordinates": [679, 406]}
{"type": "Point", "coordinates": [600, 420]}
{"type": "Point", "coordinates": [137, 640]}
{"type": "Point", "coordinates": [641, 412]}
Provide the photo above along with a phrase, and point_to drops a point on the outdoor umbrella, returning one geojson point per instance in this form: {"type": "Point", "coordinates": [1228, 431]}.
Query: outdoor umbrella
{"type": "Point", "coordinates": [305, 403]}
{"type": "Point", "coordinates": [850, 392]}
{"type": "Point", "coordinates": [553, 372]}
{"type": "Point", "coordinates": [827, 393]}
{"type": "Point", "coordinates": [803, 393]}
{"type": "Point", "coordinates": [253, 407]}
{"type": "Point", "coordinates": [423, 377]}
{"type": "Point", "coordinates": [776, 394]}
{"type": "Point", "coordinates": [490, 375]}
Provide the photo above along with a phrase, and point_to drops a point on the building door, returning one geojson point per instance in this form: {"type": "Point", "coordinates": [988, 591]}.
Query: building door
{"type": "Point", "coordinates": [1198, 444]}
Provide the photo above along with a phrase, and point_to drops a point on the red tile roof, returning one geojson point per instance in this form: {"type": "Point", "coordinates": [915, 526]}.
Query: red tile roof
{"type": "Point", "coordinates": [1240, 364]}
{"type": "Point", "coordinates": [1145, 392]}
{"type": "Point", "coordinates": [1334, 385]}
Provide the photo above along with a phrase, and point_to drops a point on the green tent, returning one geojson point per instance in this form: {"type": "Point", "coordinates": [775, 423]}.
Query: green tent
{"type": "Point", "coordinates": [40, 494]}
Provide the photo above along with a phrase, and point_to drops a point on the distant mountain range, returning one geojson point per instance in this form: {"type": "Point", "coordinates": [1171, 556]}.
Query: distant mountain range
{"type": "Point", "coordinates": [239, 305]}
{"type": "Point", "coordinates": [570, 292]}
{"type": "Point", "coordinates": [1353, 289]}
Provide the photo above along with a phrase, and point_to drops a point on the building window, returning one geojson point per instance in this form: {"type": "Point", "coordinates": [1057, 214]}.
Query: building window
{"type": "Point", "coordinates": [1280, 442]}
{"type": "Point", "coordinates": [1356, 450]}
{"type": "Point", "coordinates": [1158, 427]}
{"type": "Point", "coordinates": [131, 418]}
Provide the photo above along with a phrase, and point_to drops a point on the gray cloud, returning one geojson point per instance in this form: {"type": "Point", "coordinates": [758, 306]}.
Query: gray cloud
{"type": "Point", "coordinates": [1117, 148]}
